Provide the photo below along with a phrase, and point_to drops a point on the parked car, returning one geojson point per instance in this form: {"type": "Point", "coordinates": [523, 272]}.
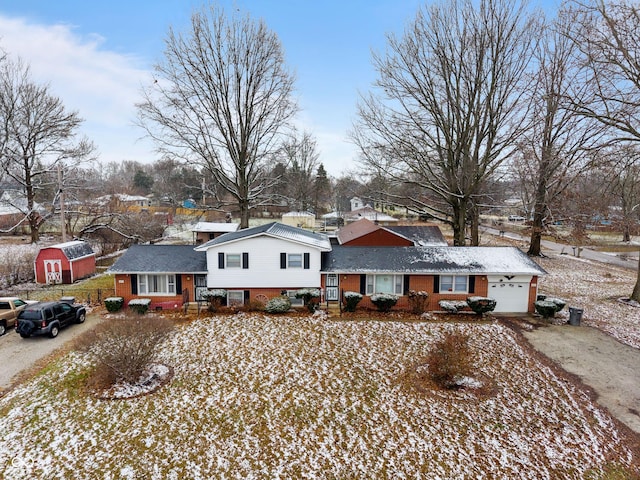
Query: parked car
{"type": "Point", "coordinates": [10, 307]}
{"type": "Point", "coordinates": [516, 218]}
{"type": "Point", "coordinates": [47, 318]}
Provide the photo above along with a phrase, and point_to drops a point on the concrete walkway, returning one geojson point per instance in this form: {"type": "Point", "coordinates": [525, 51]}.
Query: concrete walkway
{"type": "Point", "coordinates": [611, 368]}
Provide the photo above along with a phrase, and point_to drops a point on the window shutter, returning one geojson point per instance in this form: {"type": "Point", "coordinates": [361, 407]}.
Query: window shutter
{"type": "Point", "coordinates": [283, 260]}
{"type": "Point", "coordinates": [363, 284]}
{"type": "Point", "coordinates": [472, 284]}
{"type": "Point", "coordinates": [436, 284]}
{"type": "Point", "coordinates": [405, 286]}
{"type": "Point", "coordinates": [178, 284]}
{"type": "Point", "coordinates": [247, 296]}
{"type": "Point", "coordinates": [307, 260]}
{"type": "Point", "coordinates": [220, 260]}
{"type": "Point", "coordinates": [134, 284]}
{"type": "Point", "coordinates": [245, 260]}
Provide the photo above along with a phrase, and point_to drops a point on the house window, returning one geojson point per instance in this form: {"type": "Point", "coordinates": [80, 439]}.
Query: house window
{"type": "Point", "coordinates": [295, 302]}
{"type": "Point", "coordinates": [234, 260]}
{"type": "Point", "coordinates": [294, 260]}
{"type": "Point", "coordinates": [454, 283]}
{"type": "Point", "coordinates": [235, 297]}
{"type": "Point", "coordinates": [157, 284]}
{"type": "Point", "coordinates": [385, 284]}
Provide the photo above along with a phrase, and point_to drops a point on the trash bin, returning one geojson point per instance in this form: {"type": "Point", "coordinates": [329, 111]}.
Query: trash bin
{"type": "Point", "coordinates": [575, 315]}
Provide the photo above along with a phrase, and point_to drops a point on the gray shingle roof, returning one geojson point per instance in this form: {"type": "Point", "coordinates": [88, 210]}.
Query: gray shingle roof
{"type": "Point", "coordinates": [273, 229]}
{"type": "Point", "coordinates": [423, 235]}
{"type": "Point", "coordinates": [160, 259]}
{"type": "Point", "coordinates": [74, 249]}
{"type": "Point", "coordinates": [430, 260]}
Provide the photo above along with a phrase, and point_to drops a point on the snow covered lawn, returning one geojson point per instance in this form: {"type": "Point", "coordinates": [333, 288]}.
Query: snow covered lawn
{"type": "Point", "coordinates": [254, 396]}
{"type": "Point", "coordinates": [595, 288]}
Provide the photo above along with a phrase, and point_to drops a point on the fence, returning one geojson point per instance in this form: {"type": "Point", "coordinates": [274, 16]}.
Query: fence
{"type": "Point", "coordinates": [82, 295]}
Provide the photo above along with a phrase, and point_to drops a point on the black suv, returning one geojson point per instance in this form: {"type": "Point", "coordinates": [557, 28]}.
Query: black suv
{"type": "Point", "coordinates": [47, 318]}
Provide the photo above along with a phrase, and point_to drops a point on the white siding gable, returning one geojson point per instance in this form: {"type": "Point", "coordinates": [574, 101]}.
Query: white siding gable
{"type": "Point", "coordinates": [264, 265]}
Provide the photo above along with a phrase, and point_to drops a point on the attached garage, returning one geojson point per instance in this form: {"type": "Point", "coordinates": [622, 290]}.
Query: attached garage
{"type": "Point", "coordinates": [511, 292]}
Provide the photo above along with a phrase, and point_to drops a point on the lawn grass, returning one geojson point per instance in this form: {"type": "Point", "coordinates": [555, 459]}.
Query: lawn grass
{"type": "Point", "coordinates": [257, 396]}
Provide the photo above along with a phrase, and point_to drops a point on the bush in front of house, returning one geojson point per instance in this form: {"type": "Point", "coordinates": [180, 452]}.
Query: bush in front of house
{"type": "Point", "coordinates": [450, 361]}
{"type": "Point", "coordinates": [123, 348]}
{"type": "Point", "coordinates": [384, 302]}
{"type": "Point", "coordinates": [351, 300]}
{"type": "Point", "coordinates": [481, 305]}
{"type": "Point", "coordinates": [310, 297]}
{"type": "Point", "coordinates": [418, 301]}
{"type": "Point", "coordinates": [139, 305]}
{"type": "Point", "coordinates": [113, 304]}
{"type": "Point", "coordinates": [452, 306]}
{"type": "Point", "coordinates": [549, 307]}
{"type": "Point", "coordinates": [281, 304]}
{"type": "Point", "coordinates": [215, 298]}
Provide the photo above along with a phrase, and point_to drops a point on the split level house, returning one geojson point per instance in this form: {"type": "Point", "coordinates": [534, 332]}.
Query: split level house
{"type": "Point", "coordinates": [263, 262]}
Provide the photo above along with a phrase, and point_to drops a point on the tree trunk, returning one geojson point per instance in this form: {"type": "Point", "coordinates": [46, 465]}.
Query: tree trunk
{"type": "Point", "coordinates": [459, 223]}
{"type": "Point", "coordinates": [636, 289]}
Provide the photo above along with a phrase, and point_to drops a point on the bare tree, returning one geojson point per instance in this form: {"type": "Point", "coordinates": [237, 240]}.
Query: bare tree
{"type": "Point", "coordinates": [40, 134]}
{"type": "Point", "coordinates": [558, 143]}
{"type": "Point", "coordinates": [450, 110]}
{"type": "Point", "coordinates": [608, 36]}
{"type": "Point", "coordinates": [300, 155]}
{"type": "Point", "coordinates": [221, 98]}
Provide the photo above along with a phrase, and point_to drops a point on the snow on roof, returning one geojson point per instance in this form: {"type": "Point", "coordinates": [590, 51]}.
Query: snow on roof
{"type": "Point", "coordinates": [474, 260]}
{"type": "Point", "coordinates": [276, 230]}
{"type": "Point", "coordinates": [298, 214]}
{"type": "Point", "coordinates": [215, 227]}
{"type": "Point", "coordinates": [74, 249]}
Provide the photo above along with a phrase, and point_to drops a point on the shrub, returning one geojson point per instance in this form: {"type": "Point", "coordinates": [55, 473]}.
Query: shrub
{"type": "Point", "coordinates": [139, 305]}
{"type": "Point", "coordinates": [253, 306]}
{"type": "Point", "coordinates": [384, 301]}
{"type": "Point", "coordinates": [450, 361]}
{"type": "Point", "coordinates": [547, 308]}
{"type": "Point", "coordinates": [418, 301]}
{"type": "Point", "coordinates": [452, 306]}
{"type": "Point", "coordinates": [215, 298]}
{"type": "Point", "coordinates": [310, 296]}
{"type": "Point", "coordinates": [114, 304]}
{"type": "Point", "coordinates": [560, 304]}
{"type": "Point", "coordinates": [281, 304]}
{"type": "Point", "coordinates": [481, 305]}
{"type": "Point", "coordinates": [351, 300]}
{"type": "Point", "coordinates": [122, 349]}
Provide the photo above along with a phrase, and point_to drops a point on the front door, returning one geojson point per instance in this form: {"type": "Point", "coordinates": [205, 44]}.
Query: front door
{"type": "Point", "coordinates": [200, 286]}
{"type": "Point", "coordinates": [332, 287]}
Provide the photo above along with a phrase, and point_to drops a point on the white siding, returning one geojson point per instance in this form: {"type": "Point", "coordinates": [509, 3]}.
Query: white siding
{"type": "Point", "coordinates": [264, 265]}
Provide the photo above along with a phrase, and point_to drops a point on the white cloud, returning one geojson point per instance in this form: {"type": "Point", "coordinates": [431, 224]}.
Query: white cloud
{"type": "Point", "coordinates": [103, 86]}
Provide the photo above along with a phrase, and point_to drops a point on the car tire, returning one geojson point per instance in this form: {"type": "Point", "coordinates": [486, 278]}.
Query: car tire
{"type": "Point", "coordinates": [53, 333]}
{"type": "Point", "coordinates": [3, 329]}
{"type": "Point", "coordinates": [81, 318]}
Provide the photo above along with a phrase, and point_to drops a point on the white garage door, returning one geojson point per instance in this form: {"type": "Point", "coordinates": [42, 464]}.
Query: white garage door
{"type": "Point", "coordinates": [510, 296]}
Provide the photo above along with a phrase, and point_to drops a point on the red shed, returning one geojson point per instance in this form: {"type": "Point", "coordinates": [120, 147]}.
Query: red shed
{"type": "Point", "coordinates": [65, 262]}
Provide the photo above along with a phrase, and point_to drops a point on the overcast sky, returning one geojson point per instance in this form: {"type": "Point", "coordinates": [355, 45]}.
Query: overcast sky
{"type": "Point", "coordinates": [95, 55]}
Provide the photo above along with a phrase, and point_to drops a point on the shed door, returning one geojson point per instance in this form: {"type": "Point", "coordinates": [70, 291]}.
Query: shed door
{"type": "Point", "coordinates": [53, 271]}
{"type": "Point", "coordinates": [510, 296]}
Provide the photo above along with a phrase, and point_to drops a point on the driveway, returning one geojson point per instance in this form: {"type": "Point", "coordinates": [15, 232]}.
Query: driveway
{"type": "Point", "coordinates": [19, 354]}
{"type": "Point", "coordinates": [609, 367]}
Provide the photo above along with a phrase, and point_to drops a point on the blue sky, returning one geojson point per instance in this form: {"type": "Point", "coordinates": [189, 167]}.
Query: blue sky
{"type": "Point", "coordinates": [95, 55]}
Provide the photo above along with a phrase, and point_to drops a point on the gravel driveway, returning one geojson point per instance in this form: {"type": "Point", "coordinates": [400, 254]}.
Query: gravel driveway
{"type": "Point", "coordinates": [18, 354]}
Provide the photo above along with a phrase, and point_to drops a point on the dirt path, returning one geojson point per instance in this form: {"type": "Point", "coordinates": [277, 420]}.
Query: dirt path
{"type": "Point", "coordinates": [609, 367]}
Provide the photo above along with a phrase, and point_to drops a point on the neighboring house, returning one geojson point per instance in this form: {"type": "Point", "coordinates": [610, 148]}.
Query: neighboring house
{"type": "Point", "coordinates": [205, 231]}
{"type": "Point", "coordinates": [262, 262]}
{"type": "Point", "coordinates": [65, 262]}
{"type": "Point", "coordinates": [369, 213]}
{"type": "Point", "coordinates": [445, 273]}
{"type": "Point", "coordinates": [367, 233]}
{"type": "Point", "coordinates": [169, 275]}
{"type": "Point", "coordinates": [299, 219]}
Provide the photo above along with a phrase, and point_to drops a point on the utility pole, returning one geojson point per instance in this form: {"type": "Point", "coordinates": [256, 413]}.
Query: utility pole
{"type": "Point", "coordinates": [63, 225]}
